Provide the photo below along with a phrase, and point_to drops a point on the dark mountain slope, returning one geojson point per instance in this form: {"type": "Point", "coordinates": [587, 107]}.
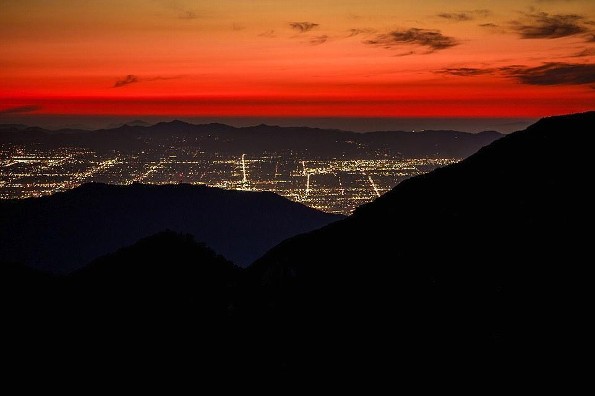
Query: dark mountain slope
{"type": "Point", "coordinates": [67, 230]}
{"type": "Point", "coordinates": [167, 274]}
{"type": "Point", "coordinates": [160, 306]}
{"type": "Point", "coordinates": [481, 262]}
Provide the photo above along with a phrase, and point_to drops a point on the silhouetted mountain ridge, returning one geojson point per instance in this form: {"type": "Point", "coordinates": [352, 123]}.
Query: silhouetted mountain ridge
{"type": "Point", "coordinates": [95, 219]}
{"type": "Point", "coordinates": [221, 138]}
{"type": "Point", "coordinates": [137, 310]}
{"type": "Point", "coordinates": [163, 274]}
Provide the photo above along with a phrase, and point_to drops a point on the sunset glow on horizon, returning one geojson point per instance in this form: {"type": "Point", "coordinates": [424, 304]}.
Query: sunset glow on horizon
{"type": "Point", "coordinates": [323, 58]}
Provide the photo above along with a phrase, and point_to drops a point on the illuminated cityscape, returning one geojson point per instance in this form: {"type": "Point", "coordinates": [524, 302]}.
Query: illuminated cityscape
{"type": "Point", "coordinates": [336, 185]}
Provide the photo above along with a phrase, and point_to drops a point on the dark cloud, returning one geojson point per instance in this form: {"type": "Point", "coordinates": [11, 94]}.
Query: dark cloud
{"type": "Point", "coordinates": [488, 25]}
{"type": "Point", "coordinates": [456, 16]}
{"type": "Point", "coordinates": [553, 73]}
{"type": "Point", "coordinates": [542, 25]}
{"type": "Point", "coordinates": [465, 71]}
{"type": "Point", "coordinates": [129, 79]}
{"type": "Point", "coordinates": [303, 27]}
{"type": "Point", "coordinates": [317, 40]}
{"type": "Point", "coordinates": [465, 15]}
{"type": "Point", "coordinates": [433, 39]}
{"type": "Point", "coordinates": [20, 109]}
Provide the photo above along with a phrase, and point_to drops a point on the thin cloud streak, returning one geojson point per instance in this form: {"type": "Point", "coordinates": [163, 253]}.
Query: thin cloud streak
{"type": "Point", "coordinates": [585, 52]}
{"type": "Point", "coordinates": [133, 79]}
{"type": "Point", "coordinates": [456, 16]}
{"type": "Point", "coordinates": [20, 109]}
{"type": "Point", "coordinates": [357, 31]}
{"type": "Point", "coordinates": [268, 34]}
{"type": "Point", "coordinates": [317, 40]}
{"type": "Point", "coordinates": [129, 79]}
{"type": "Point", "coordinates": [464, 16]}
{"type": "Point", "coordinates": [188, 15]}
{"type": "Point", "coordinates": [465, 71]}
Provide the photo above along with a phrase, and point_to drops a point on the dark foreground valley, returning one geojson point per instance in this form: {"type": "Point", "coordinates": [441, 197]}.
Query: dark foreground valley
{"type": "Point", "coordinates": [475, 270]}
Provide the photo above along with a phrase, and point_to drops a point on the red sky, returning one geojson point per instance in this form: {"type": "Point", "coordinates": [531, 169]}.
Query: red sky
{"type": "Point", "coordinates": [280, 58]}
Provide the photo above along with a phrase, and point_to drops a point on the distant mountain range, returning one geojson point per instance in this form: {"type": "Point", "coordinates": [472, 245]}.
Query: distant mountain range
{"type": "Point", "coordinates": [65, 231]}
{"type": "Point", "coordinates": [476, 271]}
{"type": "Point", "coordinates": [225, 139]}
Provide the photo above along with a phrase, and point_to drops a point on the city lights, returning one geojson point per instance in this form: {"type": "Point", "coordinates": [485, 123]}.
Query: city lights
{"type": "Point", "coordinates": [336, 185]}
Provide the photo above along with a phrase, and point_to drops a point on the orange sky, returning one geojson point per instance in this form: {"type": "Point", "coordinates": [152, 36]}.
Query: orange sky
{"type": "Point", "coordinates": [306, 58]}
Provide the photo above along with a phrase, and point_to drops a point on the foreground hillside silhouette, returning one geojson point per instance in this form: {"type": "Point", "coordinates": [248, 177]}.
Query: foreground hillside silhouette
{"type": "Point", "coordinates": [66, 231]}
{"type": "Point", "coordinates": [477, 269]}
{"type": "Point", "coordinates": [481, 262]}
{"type": "Point", "coordinates": [128, 312]}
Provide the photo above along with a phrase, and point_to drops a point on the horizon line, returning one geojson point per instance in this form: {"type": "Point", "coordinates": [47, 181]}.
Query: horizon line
{"type": "Point", "coordinates": [471, 124]}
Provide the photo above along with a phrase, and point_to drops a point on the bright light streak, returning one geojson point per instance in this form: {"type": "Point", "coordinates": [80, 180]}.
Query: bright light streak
{"type": "Point", "coordinates": [373, 185]}
{"type": "Point", "coordinates": [245, 179]}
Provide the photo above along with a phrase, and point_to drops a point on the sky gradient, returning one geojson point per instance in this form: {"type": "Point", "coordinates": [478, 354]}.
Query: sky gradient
{"type": "Point", "coordinates": [307, 58]}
